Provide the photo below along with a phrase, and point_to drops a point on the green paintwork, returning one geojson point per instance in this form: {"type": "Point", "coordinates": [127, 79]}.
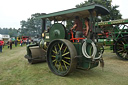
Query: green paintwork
{"type": "Point", "coordinates": [114, 22]}
{"type": "Point", "coordinates": [46, 37]}
{"type": "Point", "coordinates": [78, 47]}
{"type": "Point", "coordinates": [81, 12]}
{"type": "Point", "coordinates": [57, 31]}
{"type": "Point", "coordinates": [125, 46]}
{"type": "Point", "coordinates": [83, 62]}
{"type": "Point", "coordinates": [106, 42]}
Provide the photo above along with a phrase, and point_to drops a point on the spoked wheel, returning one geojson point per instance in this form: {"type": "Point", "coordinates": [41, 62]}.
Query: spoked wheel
{"type": "Point", "coordinates": [61, 57]}
{"type": "Point", "coordinates": [121, 47]}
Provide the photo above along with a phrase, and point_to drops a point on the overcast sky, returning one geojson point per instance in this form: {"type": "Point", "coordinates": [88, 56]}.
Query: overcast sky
{"type": "Point", "coordinates": [13, 11]}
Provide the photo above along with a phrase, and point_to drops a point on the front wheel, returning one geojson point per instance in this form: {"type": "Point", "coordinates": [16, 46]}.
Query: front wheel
{"type": "Point", "coordinates": [61, 57]}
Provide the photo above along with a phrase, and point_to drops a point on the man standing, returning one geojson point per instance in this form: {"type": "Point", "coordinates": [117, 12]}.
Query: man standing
{"type": "Point", "coordinates": [1, 44]}
{"type": "Point", "coordinates": [16, 43]}
{"type": "Point", "coordinates": [78, 27]}
{"type": "Point", "coordinates": [10, 43]}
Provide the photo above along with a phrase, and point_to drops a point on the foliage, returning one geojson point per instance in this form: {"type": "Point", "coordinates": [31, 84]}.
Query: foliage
{"type": "Point", "coordinates": [12, 32]}
{"type": "Point", "coordinates": [31, 27]}
{"type": "Point", "coordinates": [114, 12]}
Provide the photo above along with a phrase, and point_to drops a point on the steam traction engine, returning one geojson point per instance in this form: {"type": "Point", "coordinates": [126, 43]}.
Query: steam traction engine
{"type": "Point", "coordinates": [62, 51]}
{"type": "Point", "coordinates": [117, 36]}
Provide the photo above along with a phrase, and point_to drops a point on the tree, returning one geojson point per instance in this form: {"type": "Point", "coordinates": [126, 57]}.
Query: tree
{"type": "Point", "coordinates": [114, 13]}
{"type": "Point", "coordinates": [31, 27]}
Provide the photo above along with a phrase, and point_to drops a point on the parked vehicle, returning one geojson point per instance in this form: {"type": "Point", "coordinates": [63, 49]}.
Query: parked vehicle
{"type": "Point", "coordinates": [24, 38]}
{"type": "Point", "coordinates": [115, 34]}
{"type": "Point", "coordinates": [62, 51]}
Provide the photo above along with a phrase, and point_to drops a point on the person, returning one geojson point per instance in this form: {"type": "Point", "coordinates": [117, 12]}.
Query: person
{"type": "Point", "coordinates": [21, 42]}
{"type": "Point", "coordinates": [87, 26]}
{"type": "Point", "coordinates": [78, 27]}
{"type": "Point", "coordinates": [16, 43]}
{"type": "Point", "coordinates": [10, 43]}
{"type": "Point", "coordinates": [27, 41]}
{"type": "Point", "coordinates": [1, 44]}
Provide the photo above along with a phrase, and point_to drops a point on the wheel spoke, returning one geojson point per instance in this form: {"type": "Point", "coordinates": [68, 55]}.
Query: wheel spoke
{"type": "Point", "coordinates": [61, 46]}
{"type": "Point", "coordinates": [61, 66]}
{"type": "Point", "coordinates": [54, 60]}
{"type": "Point", "coordinates": [55, 64]}
{"type": "Point", "coordinates": [65, 65]}
{"type": "Point", "coordinates": [54, 51]}
{"type": "Point", "coordinates": [53, 56]}
{"type": "Point", "coordinates": [119, 45]}
{"type": "Point", "coordinates": [124, 55]}
{"type": "Point", "coordinates": [67, 57]}
{"type": "Point", "coordinates": [65, 49]}
{"type": "Point", "coordinates": [122, 42]}
{"type": "Point", "coordinates": [121, 51]}
{"type": "Point", "coordinates": [65, 54]}
{"type": "Point", "coordinates": [65, 62]}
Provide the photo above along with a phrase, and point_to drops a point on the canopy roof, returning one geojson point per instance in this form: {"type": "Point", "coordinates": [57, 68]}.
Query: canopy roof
{"type": "Point", "coordinates": [81, 12]}
{"type": "Point", "coordinates": [114, 22]}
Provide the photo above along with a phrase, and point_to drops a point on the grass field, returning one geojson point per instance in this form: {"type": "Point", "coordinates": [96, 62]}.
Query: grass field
{"type": "Point", "coordinates": [15, 70]}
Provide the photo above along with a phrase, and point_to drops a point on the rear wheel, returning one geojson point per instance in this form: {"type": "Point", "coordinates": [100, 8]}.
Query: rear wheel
{"type": "Point", "coordinates": [61, 57]}
{"type": "Point", "coordinates": [121, 47]}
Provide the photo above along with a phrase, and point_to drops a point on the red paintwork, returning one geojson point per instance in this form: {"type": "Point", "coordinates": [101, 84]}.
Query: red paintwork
{"type": "Point", "coordinates": [73, 39]}
{"type": "Point", "coordinates": [24, 38]}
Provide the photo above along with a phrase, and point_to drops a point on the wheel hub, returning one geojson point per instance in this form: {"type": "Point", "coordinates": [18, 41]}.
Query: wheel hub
{"type": "Point", "coordinates": [59, 56]}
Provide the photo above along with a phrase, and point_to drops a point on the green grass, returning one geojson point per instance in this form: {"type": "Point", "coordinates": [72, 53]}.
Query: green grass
{"type": "Point", "coordinates": [15, 70]}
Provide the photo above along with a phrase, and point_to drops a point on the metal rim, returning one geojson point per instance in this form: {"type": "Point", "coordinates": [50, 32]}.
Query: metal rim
{"type": "Point", "coordinates": [61, 57]}
{"type": "Point", "coordinates": [121, 47]}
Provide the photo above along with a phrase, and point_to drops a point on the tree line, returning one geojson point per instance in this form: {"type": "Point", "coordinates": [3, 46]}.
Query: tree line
{"type": "Point", "coordinates": [9, 31]}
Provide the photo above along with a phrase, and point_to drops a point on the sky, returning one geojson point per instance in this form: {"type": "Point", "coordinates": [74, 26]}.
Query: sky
{"type": "Point", "coordinates": [14, 11]}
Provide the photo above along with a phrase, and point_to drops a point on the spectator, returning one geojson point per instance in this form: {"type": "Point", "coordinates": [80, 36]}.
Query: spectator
{"type": "Point", "coordinates": [1, 44]}
{"type": "Point", "coordinates": [21, 42]}
{"type": "Point", "coordinates": [28, 41]}
{"type": "Point", "coordinates": [16, 43]}
{"type": "Point", "coordinates": [10, 43]}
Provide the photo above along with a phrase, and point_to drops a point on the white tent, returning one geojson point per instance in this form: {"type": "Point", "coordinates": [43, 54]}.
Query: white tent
{"type": "Point", "coordinates": [0, 37]}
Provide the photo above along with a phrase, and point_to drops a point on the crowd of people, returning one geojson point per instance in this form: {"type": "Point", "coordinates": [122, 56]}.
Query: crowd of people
{"type": "Point", "coordinates": [10, 43]}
